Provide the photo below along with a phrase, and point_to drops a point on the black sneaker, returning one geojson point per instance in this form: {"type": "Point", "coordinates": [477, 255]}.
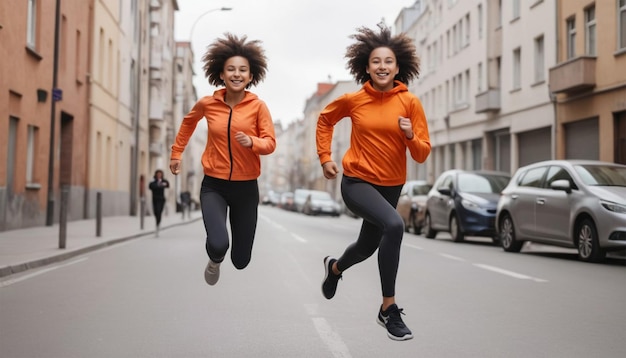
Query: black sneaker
{"type": "Point", "coordinates": [390, 319]}
{"type": "Point", "coordinates": [329, 285]}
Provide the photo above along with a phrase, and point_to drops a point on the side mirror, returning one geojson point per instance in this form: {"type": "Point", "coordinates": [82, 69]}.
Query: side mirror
{"type": "Point", "coordinates": [445, 191]}
{"type": "Point", "coordinates": [561, 184]}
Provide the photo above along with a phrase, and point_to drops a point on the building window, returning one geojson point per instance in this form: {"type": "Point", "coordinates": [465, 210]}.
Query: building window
{"type": "Point", "coordinates": [480, 21]}
{"type": "Point", "coordinates": [539, 60]}
{"type": "Point", "coordinates": [31, 24]}
{"type": "Point", "coordinates": [516, 9]}
{"type": "Point", "coordinates": [11, 153]}
{"type": "Point", "coordinates": [479, 80]}
{"type": "Point", "coordinates": [467, 29]}
{"type": "Point", "coordinates": [590, 31]}
{"type": "Point", "coordinates": [517, 68]}
{"type": "Point", "coordinates": [31, 151]}
{"type": "Point", "coordinates": [621, 25]}
{"type": "Point", "coordinates": [571, 38]}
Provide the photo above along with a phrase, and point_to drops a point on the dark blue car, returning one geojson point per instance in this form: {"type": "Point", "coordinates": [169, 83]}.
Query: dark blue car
{"type": "Point", "coordinates": [464, 203]}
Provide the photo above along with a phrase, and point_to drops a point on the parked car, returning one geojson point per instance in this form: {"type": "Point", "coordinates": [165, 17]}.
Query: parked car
{"type": "Point", "coordinates": [464, 203]}
{"type": "Point", "coordinates": [321, 203]}
{"type": "Point", "coordinates": [299, 198]}
{"type": "Point", "coordinates": [412, 204]}
{"type": "Point", "coordinates": [570, 203]}
{"type": "Point", "coordinates": [286, 201]}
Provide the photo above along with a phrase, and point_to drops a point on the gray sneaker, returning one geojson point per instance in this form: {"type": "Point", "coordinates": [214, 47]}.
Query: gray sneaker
{"type": "Point", "coordinates": [212, 272]}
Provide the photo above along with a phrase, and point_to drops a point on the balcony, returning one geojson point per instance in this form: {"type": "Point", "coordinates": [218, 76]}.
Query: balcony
{"type": "Point", "coordinates": [575, 75]}
{"type": "Point", "coordinates": [488, 101]}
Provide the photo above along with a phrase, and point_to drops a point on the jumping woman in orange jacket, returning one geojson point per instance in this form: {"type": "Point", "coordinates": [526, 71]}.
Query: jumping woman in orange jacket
{"type": "Point", "coordinates": [240, 129]}
{"type": "Point", "coordinates": [386, 120]}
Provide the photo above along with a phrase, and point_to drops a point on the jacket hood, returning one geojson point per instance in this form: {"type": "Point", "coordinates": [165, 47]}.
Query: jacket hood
{"type": "Point", "coordinates": [397, 88]}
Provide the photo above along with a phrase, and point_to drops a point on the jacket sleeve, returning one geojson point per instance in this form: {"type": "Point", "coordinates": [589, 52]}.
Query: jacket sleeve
{"type": "Point", "coordinates": [187, 127]}
{"type": "Point", "coordinates": [330, 115]}
{"type": "Point", "coordinates": [265, 142]}
{"type": "Point", "coordinates": [419, 145]}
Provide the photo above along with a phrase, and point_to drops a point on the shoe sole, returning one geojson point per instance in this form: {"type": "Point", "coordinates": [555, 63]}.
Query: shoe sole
{"type": "Point", "coordinates": [406, 337]}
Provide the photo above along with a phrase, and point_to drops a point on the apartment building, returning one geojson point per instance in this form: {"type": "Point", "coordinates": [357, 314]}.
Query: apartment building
{"type": "Point", "coordinates": [43, 110]}
{"type": "Point", "coordinates": [589, 81]}
{"type": "Point", "coordinates": [483, 83]}
{"type": "Point", "coordinates": [161, 112]}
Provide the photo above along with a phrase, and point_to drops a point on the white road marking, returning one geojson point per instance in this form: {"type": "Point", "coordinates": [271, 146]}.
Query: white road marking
{"type": "Point", "coordinates": [332, 340]}
{"type": "Point", "coordinates": [451, 257]}
{"type": "Point", "coordinates": [509, 273]}
{"type": "Point", "coordinates": [299, 238]}
{"type": "Point", "coordinates": [414, 246]}
{"type": "Point", "coordinates": [40, 272]}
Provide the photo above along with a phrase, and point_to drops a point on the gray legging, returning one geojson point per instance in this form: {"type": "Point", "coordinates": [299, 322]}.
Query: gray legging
{"type": "Point", "coordinates": [241, 199]}
{"type": "Point", "coordinates": [382, 228]}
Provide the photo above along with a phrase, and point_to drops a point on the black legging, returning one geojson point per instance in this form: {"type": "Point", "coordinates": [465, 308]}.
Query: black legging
{"type": "Point", "coordinates": [157, 206]}
{"type": "Point", "coordinates": [241, 198]}
{"type": "Point", "coordinates": [382, 228]}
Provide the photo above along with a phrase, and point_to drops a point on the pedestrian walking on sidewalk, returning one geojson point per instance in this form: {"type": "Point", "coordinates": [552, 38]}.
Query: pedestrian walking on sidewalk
{"type": "Point", "coordinates": [386, 120]}
{"type": "Point", "coordinates": [240, 129]}
{"type": "Point", "coordinates": [158, 186]}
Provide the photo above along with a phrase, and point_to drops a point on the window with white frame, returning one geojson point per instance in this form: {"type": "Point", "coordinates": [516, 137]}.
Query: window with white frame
{"type": "Point", "coordinates": [621, 25]}
{"type": "Point", "coordinates": [571, 37]}
{"type": "Point", "coordinates": [31, 151]}
{"type": "Point", "coordinates": [590, 30]}
{"type": "Point", "coordinates": [517, 68]}
{"type": "Point", "coordinates": [31, 24]}
{"type": "Point", "coordinates": [539, 60]}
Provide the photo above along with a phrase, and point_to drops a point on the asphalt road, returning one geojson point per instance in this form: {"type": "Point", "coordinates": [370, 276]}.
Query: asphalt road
{"type": "Point", "coordinates": [147, 298]}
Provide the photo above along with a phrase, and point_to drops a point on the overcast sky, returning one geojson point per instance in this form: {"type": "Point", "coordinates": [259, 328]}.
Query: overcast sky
{"type": "Point", "coordinates": [305, 41]}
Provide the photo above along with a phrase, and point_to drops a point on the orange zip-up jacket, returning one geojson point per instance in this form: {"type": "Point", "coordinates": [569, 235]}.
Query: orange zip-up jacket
{"type": "Point", "coordinates": [223, 157]}
{"type": "Point", "coordinates": [377, 152]}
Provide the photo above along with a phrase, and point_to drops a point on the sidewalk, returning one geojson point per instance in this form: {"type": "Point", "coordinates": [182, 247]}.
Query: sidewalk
{"type": "Point", "coordinates": [25, 249]}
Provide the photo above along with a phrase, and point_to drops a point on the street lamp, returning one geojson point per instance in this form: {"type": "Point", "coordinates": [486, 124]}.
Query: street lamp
{"type": "Point", "coordinates": [193, 26]}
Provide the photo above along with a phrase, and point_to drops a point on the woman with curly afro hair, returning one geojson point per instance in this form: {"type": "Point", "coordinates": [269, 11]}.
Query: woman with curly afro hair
{"type": "Point", "coordinates": [240, 130]}
{"type": "Point", "coordinates": [386, 120]}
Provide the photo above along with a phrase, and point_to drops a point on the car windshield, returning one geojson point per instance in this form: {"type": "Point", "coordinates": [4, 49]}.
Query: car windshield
{"type": "Point", "coordinates": [482, 183]}
{"type": "Point", "coordinates": [602, 175]}
{"type": "Point", "coordinates": [421, 189]}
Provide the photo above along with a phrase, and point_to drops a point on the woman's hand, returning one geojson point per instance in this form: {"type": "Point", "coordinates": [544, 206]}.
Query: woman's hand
{"type": "Point", "coordinates": [330, 170]}
{"type": "Point", "coordinates": [406, 127]}
{"type": "Point", "coordinates": [243, 139]}
{"type": "Point", "coordinates": [175, 166]}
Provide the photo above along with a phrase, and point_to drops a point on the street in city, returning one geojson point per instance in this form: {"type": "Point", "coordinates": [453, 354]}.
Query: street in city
{"type": "Point", "coordinates": [146, 297]}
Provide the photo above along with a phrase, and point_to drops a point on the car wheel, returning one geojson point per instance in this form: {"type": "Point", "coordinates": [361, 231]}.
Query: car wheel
{"type": "Point", "coordinates": [587, 240]}
{"type": "Point", "coordinates": [507, 235]}
{"type": "Point", "coordinates": [455, 229]}
{"type": "Point", "coordinates": [429, 232]}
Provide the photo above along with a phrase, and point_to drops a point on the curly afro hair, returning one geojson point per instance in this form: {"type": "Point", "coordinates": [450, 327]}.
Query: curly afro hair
{"type": "Point", "coordinates": [368, 40]}
{"type": "Point", "coordinates": [224, 48]}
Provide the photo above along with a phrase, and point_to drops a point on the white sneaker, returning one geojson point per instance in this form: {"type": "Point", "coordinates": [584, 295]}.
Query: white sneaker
{"type": "Point", "coordinates": [212, 272]}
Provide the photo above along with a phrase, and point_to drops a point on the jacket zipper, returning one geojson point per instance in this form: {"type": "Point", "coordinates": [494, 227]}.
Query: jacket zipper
{"type": "Point", "coordinates": [230, 152]}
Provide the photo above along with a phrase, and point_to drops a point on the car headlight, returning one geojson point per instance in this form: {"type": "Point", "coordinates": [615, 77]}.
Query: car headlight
{"type": "Point", "coordinates": [616, 208]}
{"type": "Point", "coordinates": [470, 205]}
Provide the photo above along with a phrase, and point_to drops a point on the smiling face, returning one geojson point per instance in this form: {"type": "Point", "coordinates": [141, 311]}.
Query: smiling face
{"type": "Point", "coordinates": [236, 74]}
{"type": "Point", "coordinates": [382, 68]}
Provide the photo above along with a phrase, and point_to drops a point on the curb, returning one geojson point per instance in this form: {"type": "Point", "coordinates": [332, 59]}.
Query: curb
{"type": "Point", "coordinates": [44, 261]}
